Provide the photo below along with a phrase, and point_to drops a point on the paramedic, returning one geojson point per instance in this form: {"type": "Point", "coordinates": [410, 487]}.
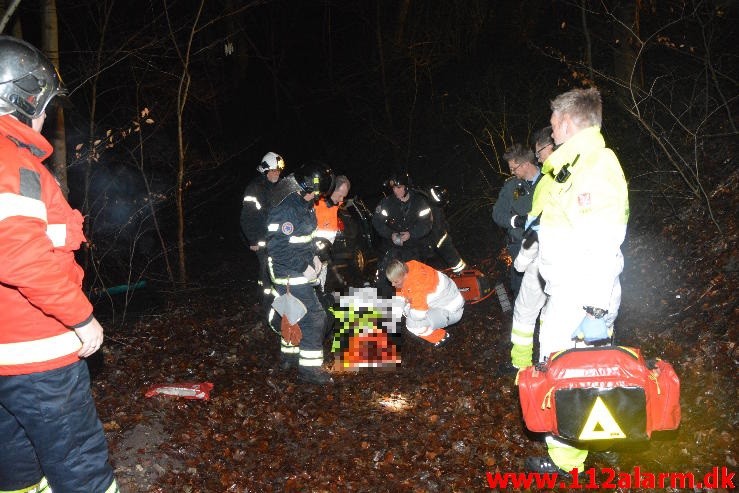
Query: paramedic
{"type": "Point", "coordinates": [433, 300]}
{"type": "Point", "coordinates": [582, 226]}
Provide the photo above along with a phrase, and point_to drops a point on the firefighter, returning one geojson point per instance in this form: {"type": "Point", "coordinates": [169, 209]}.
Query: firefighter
{"type": "Point", "coordinates": [514, 202]}
{"type": "Point", "coordinates": [254, 213]}
{"type": "Point", "coordinates": [327, 218]}
{"type": "Point", "coordinates": [51, 434]}
{"type": "Point", "coordinates": [440, 239]}
{"type": "Point", "coordinates": [292, 261]}
{"type": "Point", "coordinates": [403, 220]}
{"type": "Point", "coordinates": [433, 300]}
{"type": "Point", "coordinates": [583, 223]}
{"type": "Point", "coordinates": [531, 297]}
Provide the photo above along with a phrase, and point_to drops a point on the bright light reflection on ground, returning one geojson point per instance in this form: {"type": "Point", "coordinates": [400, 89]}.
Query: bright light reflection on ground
{"type": "Point", "coordinates": [394, 402]}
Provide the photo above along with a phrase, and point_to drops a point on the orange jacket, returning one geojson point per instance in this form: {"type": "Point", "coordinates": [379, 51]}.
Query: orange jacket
{"type": "Point", "coordinates": [327, 219]}
{"type": "Point", "coordinates": [421, 281]}
{"type": "Point", "coordinates": [40, 282]}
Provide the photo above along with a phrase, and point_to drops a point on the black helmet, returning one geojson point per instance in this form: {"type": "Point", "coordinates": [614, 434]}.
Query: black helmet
{"type": "Point", "coordinates": [315, 177]}
{"type": "Point", "coordinates": [28, 80]}
{"type": "Point", "coordinates": [439, 195]}
{"type": "Point", "coordinates": [399, 177]}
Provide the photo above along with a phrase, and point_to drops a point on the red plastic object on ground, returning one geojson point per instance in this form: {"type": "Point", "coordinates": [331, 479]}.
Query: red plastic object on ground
{"type": "Point", "coordinates": [186, 390]}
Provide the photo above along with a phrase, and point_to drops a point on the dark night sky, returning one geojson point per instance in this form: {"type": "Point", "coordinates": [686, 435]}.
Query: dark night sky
{"type": "Point", "coordinates": [342, 82]}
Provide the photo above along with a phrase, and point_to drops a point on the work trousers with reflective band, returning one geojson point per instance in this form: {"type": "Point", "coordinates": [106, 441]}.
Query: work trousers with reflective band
{"type": "Point", "coordinates": [563, 312]}
{"type": "Point", "coordinates": [312, 325]}
{"type": "Point", "coordinates": [449, 253]}
{"type": "Point", "coordinates": [529, 302]}
{"type": "Point", "coordinates": [431, 327]}
{"type": "Point", "coordinates": [265, 282]}
{"type": "Point", "coordinates": [53, 410]}
{"type": "Point", "coordinates": [565, 456]}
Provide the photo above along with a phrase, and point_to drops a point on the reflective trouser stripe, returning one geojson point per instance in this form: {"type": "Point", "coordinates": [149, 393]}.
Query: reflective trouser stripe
{"type": "Point", "coordinates": [522, 334]}
{"type": "Point", "coordinates": [459, 267]}
{"type": "Point", "coordinates": [113, 488]}
{"type": "Point", "coordinates": [311, 358]}
{"type": "Point", "coordinates": [40, 487]}
{"type": "Point", "coordinates": [287, 348]}
{"type": "Point", "coordinates": [442, 240]}
{"type": "Point", "coordinates": [19, 353]}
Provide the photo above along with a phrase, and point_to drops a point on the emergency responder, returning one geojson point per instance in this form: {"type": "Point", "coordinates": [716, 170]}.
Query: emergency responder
{"type": "Point", "coordinates": [327, 218]}
{"type": "Point", "coordinates": [402, 219]}
{"type": "Point", "coordinates": [514, 202]}
{"type": "Point", "coordinates": [531, 297]}
{"type": "Point", "coordinates": [439, 241]}
{"type": "Point", "coordinates": [583, 223]}
{"type": "Point", "coordinates": [254, 213]}
{"type": "Point", "coordinates": [51, 434]}
{"type": "Point", "coordinates": [433, 300]}
{"type": "Point", "coordinates": [292, 261]}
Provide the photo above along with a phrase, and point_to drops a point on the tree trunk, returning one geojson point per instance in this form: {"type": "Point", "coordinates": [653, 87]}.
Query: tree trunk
{"type": "Point", "coordinates": [627, 66]}
{"type": "Point", "coordinates": [55, 114]}
{"type": "Point", "coordinates": [6, 14]}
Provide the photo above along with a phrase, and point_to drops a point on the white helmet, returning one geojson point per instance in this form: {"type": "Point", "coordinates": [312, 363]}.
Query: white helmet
{"type": "Point", "coordinates": [271, 161]}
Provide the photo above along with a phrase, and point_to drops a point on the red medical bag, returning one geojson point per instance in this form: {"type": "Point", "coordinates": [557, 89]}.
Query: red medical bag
{"type": "Point", "coordinates": [601, 393]}
{"type": "Point", "coordinates": [473, 285]}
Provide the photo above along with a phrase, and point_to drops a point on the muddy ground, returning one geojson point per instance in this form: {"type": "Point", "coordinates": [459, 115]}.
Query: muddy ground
{"type": "Point", "coordinates": [436, 424]}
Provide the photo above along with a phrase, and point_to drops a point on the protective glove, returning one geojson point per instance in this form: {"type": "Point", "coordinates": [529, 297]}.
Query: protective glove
{"type": "Point", "coordinates": [530, 219]}
{"type": "Point", "coordinates": [317, 264]}
{"type": "Point", "coordinates": [518, 221]}
{"type": "Point", "coordinates": [397, 240]}
{"type": "Point", "coordinates": [526, 256]}
{"type": "Point", "coordinates": [592, 330]}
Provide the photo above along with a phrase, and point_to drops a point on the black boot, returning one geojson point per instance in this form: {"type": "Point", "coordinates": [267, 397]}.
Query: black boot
{"type": "Point", "coordinates": [314, 374]}
{"type": "Point", "coordinates": [545, 465]}
{"type": "Point", "coordinates": [288, 361]}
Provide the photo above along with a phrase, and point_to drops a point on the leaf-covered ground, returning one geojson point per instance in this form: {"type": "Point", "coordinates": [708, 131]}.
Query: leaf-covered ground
{"type": "Point", "coordinates": [438, 423]}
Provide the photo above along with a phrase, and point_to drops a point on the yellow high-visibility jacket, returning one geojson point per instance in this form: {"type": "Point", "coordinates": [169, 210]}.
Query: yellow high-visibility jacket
{"type": "Point", "coordinates": [584, 216]}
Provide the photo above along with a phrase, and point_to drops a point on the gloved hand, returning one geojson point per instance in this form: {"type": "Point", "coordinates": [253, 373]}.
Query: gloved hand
{"type": "Point", "coordinates": [526, 256]}
{"type": "Point", "coordinates": [397, 240]}
{"type": "Point", "coordinates": [592, 330]}
{"type": "Point", "coordinates": [518, 221]}
{"type": "Point", "coordinates": [530, 219]}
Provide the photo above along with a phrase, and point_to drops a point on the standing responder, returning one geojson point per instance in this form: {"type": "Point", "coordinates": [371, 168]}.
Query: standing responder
{"type": "Point", "coordinates": [51, 434]}
{"type": "Point", "coordinates": [531, 297]}
{"type": "Point", "coordinates": [402, 219]}
{"type": "Point", "coordinates": [514, 203]}
{"type": "Point", "coordinates": [327, 218]}
{"type": "Point", "coordinates": [583, 223]}
{"type": "Point", "coordinates": [440, 239]}
{"type": "Point", "coordinates": [254, 220]}
{"type": "Point", "coordinates": [433, 300]}
{"type": "Point", "coordinates": [292, 261]}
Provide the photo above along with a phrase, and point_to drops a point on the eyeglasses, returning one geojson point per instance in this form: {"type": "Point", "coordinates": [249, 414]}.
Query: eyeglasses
{"type": "Point", "coordinates": [538, 151]}
{"type": "Point", "coordinates": [514, 168]}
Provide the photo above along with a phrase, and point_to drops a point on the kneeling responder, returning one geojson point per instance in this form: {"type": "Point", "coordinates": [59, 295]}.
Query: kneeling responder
{"type": "Point", "coordinates": [291, 260]}
{"type": "Point", "coordinates": [433, 299]}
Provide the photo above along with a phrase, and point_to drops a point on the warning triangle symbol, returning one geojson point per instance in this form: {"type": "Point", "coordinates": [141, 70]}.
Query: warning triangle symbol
{"type": "Point", "coordinates": [600, 424]}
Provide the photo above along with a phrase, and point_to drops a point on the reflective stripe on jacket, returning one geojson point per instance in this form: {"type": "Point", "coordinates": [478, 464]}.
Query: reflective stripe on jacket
{"type": "Point", "coordinates": [425, 287]}
{"type": "Point", "coordinates": [40, 282]}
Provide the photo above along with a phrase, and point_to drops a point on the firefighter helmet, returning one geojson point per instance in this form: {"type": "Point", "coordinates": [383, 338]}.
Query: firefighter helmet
{"type": "Point", "coordinates": [28, 79]}
{"type": "Point", "coordinates": [439, 195]}
{"type": "Point", "coordinates": [271, 161]}
{"type": "Point", "coordinates": [398, 178]}
{"type": "Point", "coordinates": [315, 177]}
